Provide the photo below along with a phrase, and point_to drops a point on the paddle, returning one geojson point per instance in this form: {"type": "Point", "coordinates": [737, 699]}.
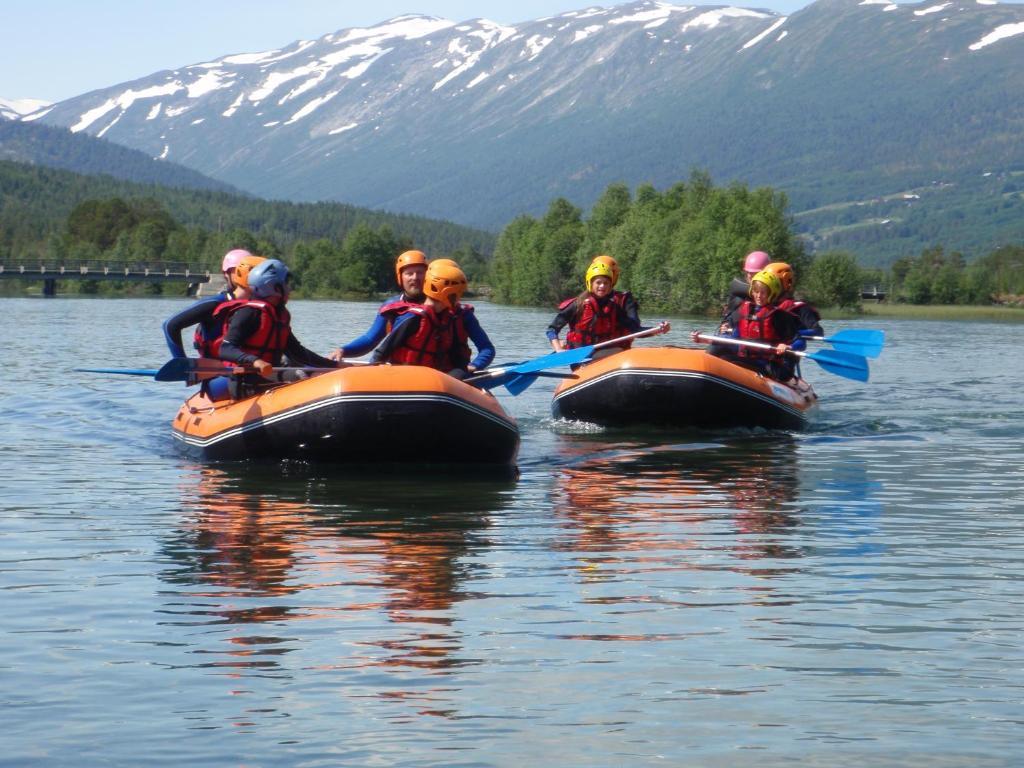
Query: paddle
{"type": "Point", "coordinates": [518, 376]}
{"type": "Point", "coordinates": [856, 341]}
{"type": "Point", "coordinates": [122, 371]}
{"type": "Point", "coordinates": [844, 364]}
{"type": "Point", "coordinates": [193, 370]}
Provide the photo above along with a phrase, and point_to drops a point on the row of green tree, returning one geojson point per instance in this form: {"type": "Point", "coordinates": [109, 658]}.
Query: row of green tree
{"type": "Point", "coordinates": [679, 250]}
{"type": "Point", "coordinates": [937, 277]}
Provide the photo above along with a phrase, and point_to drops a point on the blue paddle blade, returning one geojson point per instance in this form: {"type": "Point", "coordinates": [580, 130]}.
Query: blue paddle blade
{"type": "Point", "coordinates": [859, 342]}
{"type": "Point", "coordinates": [519, 382]}
{"type": "Point", "coordinates": [175, 369]}
{"type": "Point", "coordinates": [122, 371]}
{"type": "Point", "coordinates": [554, 359]}
{"type": "Point", "coordinates": [843, 364]}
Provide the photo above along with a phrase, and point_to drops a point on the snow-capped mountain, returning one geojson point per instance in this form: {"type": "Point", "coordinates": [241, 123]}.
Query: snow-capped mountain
{"type": "Point", "coordinates": [15, 109]}
{"type": "Point", "coordinates": [478, 122]}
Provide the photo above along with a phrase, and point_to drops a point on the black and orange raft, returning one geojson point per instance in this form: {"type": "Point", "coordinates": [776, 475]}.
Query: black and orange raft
{"type": "Point", "coordinates": [356, 415]}
{"type": "Point", "coordinates": [674, 387]}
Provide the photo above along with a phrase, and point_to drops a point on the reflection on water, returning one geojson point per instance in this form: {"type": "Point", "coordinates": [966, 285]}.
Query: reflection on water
{"type": "Point", "coordinates": [625, 497]}
{"type": "Point", "coordinates": [253, 550]}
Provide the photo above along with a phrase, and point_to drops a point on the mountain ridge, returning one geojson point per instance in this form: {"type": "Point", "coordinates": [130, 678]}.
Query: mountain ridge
{"type": "Point", "coordinates": [478, 122]}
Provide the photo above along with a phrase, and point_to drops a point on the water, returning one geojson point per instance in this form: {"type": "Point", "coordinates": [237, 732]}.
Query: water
{"type": "Point", "coordinates": [851, 595]}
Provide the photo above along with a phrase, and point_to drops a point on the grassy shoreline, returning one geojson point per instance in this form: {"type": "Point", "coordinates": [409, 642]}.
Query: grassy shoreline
{"type": "Point", "coordinates": [989, 314]}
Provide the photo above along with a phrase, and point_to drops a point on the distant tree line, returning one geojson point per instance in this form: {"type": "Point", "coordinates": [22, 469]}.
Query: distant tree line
{"type": "Point", "coordinates": [937, 277]}
{"type": "Point", "coordinates": [142, 231]}
{"type": "Point", "coordinates": [680, 249]}
{"type": "Point", "coordinates": [48, 213]}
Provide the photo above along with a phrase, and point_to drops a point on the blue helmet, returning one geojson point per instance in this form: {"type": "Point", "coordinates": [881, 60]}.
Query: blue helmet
{"type": "Point", "coordinates": [268, 278]}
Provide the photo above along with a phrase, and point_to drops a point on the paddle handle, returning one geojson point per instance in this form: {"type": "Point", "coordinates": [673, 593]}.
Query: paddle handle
{"type": "Point", "coordinates": [709, 339]}
{"type": "Point", "coordinates": [662, 327]}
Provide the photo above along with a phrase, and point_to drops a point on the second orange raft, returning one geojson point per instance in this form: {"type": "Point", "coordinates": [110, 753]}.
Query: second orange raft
{"type": "Point", "coordinates": [675, 387]}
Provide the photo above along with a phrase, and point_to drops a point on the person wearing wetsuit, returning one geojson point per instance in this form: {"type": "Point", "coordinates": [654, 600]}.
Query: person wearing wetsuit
{"type": "Point", "coordinates": [258, 331]}
{"type": "Point", "coordinates": [410, 269]}
{"type": "Point", "coordinates": [200, 313]}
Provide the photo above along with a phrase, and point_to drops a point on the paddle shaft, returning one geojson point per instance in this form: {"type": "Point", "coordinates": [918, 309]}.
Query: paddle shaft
{"type": "Point", "coordinates": [845, 364]}
{"type": "Point", "coordinates": [658, 329]}
{"type": "Point", "coordinates": [709, 339]}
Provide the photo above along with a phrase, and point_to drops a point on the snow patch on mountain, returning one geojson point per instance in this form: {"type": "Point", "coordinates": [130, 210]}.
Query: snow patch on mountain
{"type": "Point", "coordinates": [535, 44]}
{"type": "Point", "coordinates": [755, 40]}
{"type": "Point", "coordinates": [210, 81]}
{"type": "Point", "coordinates": [124, 101]}
{"type": "Point", "coordinates": [711, 19]}
{"type": "Point", "coordinates": [999, 33]}
{"type": "Point", "coordinates": [406, 27]}
{"type": "Point", "coordinates": [659, 14]}
{"type": "Point", "coordinates": [311, 107]}
{"type": "Point", "coordinates": [15, 109]}
{"type": "Point", "coordinates": [932, 9]}
{"type": "Point", "coordinates": [490, 34]}
{"type": "Point", "coordinates": [583, 34]}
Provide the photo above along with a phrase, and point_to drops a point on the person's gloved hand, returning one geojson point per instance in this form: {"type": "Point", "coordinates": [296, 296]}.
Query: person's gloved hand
{"type": "Point", "coordinates": [799, 345]}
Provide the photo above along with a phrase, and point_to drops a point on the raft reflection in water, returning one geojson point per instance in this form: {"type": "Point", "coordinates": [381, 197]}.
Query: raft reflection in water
{"type": "Point", "coordinates": [669, 506]}
{"type": "Point", "coordinates": [332, 550]}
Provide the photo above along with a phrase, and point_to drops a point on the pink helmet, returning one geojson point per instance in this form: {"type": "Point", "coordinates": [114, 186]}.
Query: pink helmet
{"type": "Point", "coordinates": [231, 259]}
{"type": "Point", "coordinates": [756, 261]}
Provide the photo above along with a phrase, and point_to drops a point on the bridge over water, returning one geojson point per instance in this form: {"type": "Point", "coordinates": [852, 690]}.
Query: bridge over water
{"type": "Point", "coordinates": [49, 271]}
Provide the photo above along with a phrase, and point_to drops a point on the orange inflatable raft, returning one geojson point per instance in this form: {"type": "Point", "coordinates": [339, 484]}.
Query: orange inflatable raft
{"type": "Point", "coordinates": [674, 387]}
{"type": "Point", "coordinates": [357, 415]}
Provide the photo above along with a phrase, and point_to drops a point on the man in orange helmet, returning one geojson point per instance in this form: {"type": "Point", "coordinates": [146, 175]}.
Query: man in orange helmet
{"type": "Point", "coordinates": [410, 269]}
{"type": "Point", "coordinates": [437, 334]}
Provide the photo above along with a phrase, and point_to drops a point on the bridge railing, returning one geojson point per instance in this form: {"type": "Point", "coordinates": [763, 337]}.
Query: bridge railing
{"type": "Point", "coordinates": [85, 269]}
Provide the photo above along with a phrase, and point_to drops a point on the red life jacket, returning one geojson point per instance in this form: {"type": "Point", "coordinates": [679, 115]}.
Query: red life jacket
{"type": "Point", "coordinates": [756, 324]}
{"type": "Point", "coordinates": [270, 339]}
{"type": "Point", "coordinates": [802, 311]}
{"type": "Point", "coordinates": [596, 322]}
{"type": "Point", "coordinates": [392, 309]}
{"type": "Point", "coordinates": [440, 341]}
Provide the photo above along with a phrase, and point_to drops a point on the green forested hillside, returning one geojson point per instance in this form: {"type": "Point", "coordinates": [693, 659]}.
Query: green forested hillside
{"type": "Point", "coordinates": [35, 204]}
{"type": "Point", "coordinates": [51, 147]}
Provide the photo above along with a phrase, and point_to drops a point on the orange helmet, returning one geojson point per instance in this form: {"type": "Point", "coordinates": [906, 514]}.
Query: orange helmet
{"type": "Point", "coordinates": [609, 261]}
{"type": "Point", "coordinates": [785, 274]}
{"type": "Point", "coordinates": [445, 282]}
{"type": "Point", "coordinates": [406, 259]}
{"type": "Point", "coordinates": [245, 265]}
{"type": "Point", "coordinates": [769, 280]}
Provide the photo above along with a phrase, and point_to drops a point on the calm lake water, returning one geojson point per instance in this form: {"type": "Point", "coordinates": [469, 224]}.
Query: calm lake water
{"type": "Point", "coordinates": [852, 595]}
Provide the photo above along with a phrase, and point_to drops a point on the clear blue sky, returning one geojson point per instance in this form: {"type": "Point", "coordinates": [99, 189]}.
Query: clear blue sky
{"type": "Point", "coordinates": [56, 49]}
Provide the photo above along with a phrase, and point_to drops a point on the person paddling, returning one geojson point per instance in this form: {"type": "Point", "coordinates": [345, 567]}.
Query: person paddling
{"type": "Point", "coordinates": [598, 314]}
{"type": "Point", "coordinates": [200, 313]}
{"type": "Point", "coordinates": [760, 318]}
{"type": "Point", "coordinates": [258, 330]}
{"type": "Point", "coordinates": [410, 269]}
{"type": "Point", "coordinates": [436, 334]}
{"type": "Point", "coordinates": [809, 317]}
